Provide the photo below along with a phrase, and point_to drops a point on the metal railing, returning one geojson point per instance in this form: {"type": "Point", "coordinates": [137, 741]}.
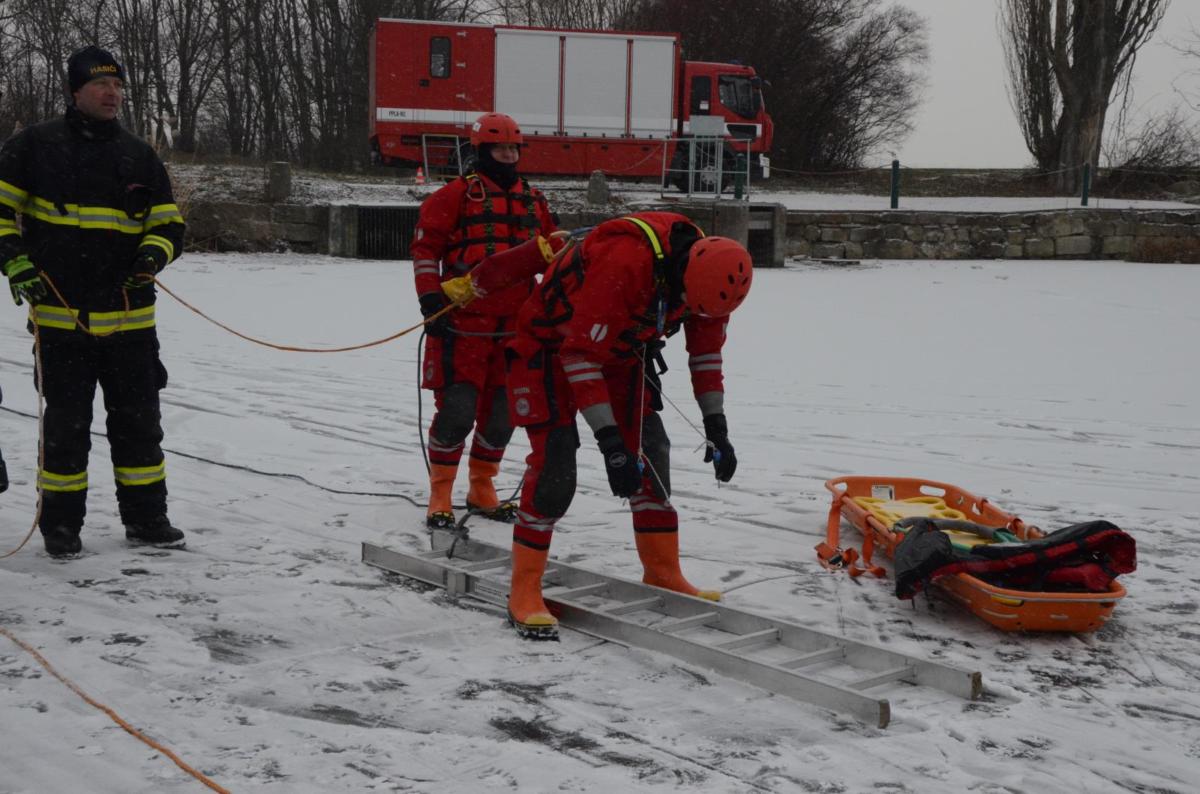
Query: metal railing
{"type": "Point", "coordinates": [706, 167]}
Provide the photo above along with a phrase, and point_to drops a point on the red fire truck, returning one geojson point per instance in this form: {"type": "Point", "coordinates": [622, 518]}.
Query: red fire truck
{"type": "Point", "coordinates": [585, 100]}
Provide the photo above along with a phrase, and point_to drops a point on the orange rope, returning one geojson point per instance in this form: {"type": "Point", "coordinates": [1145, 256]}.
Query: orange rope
{"type": "Point", "coordinates": [132, 731]}
{"type": "Point", "coordinates": [292, 349]}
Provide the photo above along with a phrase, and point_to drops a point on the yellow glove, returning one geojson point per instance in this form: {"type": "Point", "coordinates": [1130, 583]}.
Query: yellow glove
{"type": "Point", "coordinates": [460, 291]}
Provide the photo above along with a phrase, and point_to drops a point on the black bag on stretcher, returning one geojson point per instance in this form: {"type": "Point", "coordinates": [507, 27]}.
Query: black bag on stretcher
{"type": "Point", "coordinates": [1084, 557]}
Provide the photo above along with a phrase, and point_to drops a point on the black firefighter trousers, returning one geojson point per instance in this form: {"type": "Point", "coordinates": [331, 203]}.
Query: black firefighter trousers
{"type": "Point", "coordinates": [127, 368]}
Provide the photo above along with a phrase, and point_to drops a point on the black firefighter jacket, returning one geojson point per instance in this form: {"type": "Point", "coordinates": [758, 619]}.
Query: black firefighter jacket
{"type": "Point", "coordinates": [92, 198]}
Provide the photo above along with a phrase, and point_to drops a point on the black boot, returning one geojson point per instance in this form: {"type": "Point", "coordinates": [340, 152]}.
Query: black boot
{"type": "Point", "coordinates": [156, 532]}
{"type": "Point", "coordinates": [62, 542]}
{"type": "Point", "coordinates": [3, 475]}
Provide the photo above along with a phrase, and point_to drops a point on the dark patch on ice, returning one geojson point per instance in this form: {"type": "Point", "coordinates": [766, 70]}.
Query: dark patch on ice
{"type": "Point", "coordinates": [340, 716]}
{"type": "Point", "coordinates": [360, 585]}
{"type": "Point", "coordinates": [405, 582]}
{"type": "Point", "coordinates": [993, 748]}
{"type": "Point", "coordinates": [633, 762]}
{"type": "Point", "coordinates": [1012, 656]}
{"type": "Point", "coordinates": [339, 686]}
{"type": "Point", "coordinates": [1050, 679]}
{"type": "Point", "coordinates": [124, 639]}
{"type": "Point", "coordinates": [8, 618]}
{"type": "Point", "coordinates": [538, 732]}
{"type": "Point", "coordinates": [1139, 709]}
{"type": "Point", "coordinates": [1180, 608]}
{"type": "Point", "coordinates": [531, 694]}
{"type": "Point", "coordinates": [692, 674]}
{"type": "Point", "coordinates": [1142, 788]}
{"type": "Point", "coordinates": [21, 672]}
{"type": "Point", "coordinates": [362, 770]}
{"type": "Point", "coordinates": [732, 575]}
{"type": "Point", "coordinates": [225, 645]}
{"type": "Point", "coordinates": [384, 684]}
{"type": "Point", "coordinates": [74, 640]}
{"type": "Point", "coordinates": [85, 583]}
{"type": "Point", "coordinates": [402, 658]}
{"type": "Point", "coordinates": [945, 642]}
{"type": "Point", "coordinates": [135, 572]}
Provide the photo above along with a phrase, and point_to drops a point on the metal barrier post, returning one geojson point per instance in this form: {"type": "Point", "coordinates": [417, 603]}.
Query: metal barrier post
{"type": "Point", "coordinates": [1087, 183]}
{"type": "Point", "coordinates": [739, 177]}
{"type": "Point", "coordinates": [895, 184]}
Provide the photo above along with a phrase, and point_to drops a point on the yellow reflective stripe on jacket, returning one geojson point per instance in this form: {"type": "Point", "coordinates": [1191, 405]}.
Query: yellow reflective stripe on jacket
{"type": "Point", "coordinates": [132, 320]}
{"type": "Point", "coordinates": [13, 196]}
{"type": "Point", "coordinates": [62, 483]}
{"type": "Point", "coordinates": [57, 317]}
{"type": "Point", "coordinates": [650, 235]}
{"type": "Point", "coordinates": [54, 316]}
{"type": "Point", "coordinates": [7, 227]}
{"type": "Point", "coordinates": [83, 217]}
{"type": "Point", "coordinates": [160, 242]}
{"type": "Point", "coordinates": [140, 475]}
{"type": "Point", "coordinates": [161, 214]}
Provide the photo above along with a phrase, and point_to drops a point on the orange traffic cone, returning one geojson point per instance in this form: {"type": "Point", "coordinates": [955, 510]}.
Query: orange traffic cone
{"type": "Point", "coordinates": [420, 175]}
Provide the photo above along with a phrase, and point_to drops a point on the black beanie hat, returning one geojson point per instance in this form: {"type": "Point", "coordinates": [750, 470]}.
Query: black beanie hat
{"type": "Point", "coordinates": [89, 63]}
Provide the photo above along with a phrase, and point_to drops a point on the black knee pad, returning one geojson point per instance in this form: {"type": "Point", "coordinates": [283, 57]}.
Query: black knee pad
{"type": "Point", "coordinates": [657, 448]}
{"type": "Point", "coordinates": [556, 486]}
{"type": "Point", "coordinates": [499, 429]}
{"type": "Point", "coordinates": [456, 417]}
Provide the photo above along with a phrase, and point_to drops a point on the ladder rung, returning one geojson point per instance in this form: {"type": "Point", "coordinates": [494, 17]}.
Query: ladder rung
{"type": "Point", "coordinates": [484, 565]}
{"type": "Point", "coordinates": [822, 655]}
{"type": "Point", "coordinates": [577, 592]}
{"type": "Point", "coordinates": [886, 676]}
{"type": "Point", "coordinates": [753, 638]}
{"type": "Point", "coordinates": [634, 606]}
{"type": "Point", "coordinates": [691, 622]}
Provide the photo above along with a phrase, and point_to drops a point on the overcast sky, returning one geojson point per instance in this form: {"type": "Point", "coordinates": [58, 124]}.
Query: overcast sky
{"type": "Point", "coordinates": [966, 120]}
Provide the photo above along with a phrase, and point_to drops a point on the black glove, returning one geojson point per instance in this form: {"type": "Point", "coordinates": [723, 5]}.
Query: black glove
{"type": "Point", "coordinates": [719, 451]}
{"type": "Point", "coordinates": [621, 465]}
{"type": "Point", "coordinates": [431, 304]}
{"type": "Point", "coordinates": [24, 280]}
{"type": "Point", "coordinates": [141, 272]}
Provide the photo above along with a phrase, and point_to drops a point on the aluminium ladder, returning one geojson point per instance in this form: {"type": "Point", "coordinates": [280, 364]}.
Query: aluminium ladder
{"type": "Point", "coordinates": [785, 658]}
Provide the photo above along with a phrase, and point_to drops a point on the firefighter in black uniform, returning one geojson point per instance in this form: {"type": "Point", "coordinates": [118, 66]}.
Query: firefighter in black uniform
{"type": "Point", "coordinates": [98, 221]}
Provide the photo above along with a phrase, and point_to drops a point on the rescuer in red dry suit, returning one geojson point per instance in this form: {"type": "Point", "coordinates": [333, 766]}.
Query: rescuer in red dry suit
{"type": "Point", "coordinates": [585, 343]}
{"type": "Point", "coordinates": [484, 212]}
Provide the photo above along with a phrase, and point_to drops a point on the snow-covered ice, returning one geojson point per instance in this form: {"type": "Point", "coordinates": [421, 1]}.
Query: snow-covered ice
{"type": "Point", "coordinates": [270, 658]}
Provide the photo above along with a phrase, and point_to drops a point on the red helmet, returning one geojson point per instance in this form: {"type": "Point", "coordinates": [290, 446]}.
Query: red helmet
{"type": "Point", "coordinates": [717, 278]}
{"type": "Point", "coordinates": [495, 128]}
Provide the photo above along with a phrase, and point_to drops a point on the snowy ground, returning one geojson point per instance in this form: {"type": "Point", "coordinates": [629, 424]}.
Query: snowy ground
{"type": "Point", "coordinates": [245, 183]}
{"type": "Point", "coordinates": [270, 658]}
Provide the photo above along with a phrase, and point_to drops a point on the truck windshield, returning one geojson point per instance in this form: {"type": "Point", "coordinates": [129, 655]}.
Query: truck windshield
{"type": "Point", "coordinates": [738, 95]}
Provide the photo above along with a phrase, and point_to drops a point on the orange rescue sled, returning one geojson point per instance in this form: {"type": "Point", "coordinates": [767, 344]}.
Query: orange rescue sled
{"type": "Point", "coordinates": [875, 504]}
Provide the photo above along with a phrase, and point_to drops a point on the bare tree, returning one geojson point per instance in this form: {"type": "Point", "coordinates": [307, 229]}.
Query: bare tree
{"type": "Point", "coordinates": [1190, 48]}
{"type": "Point", "coordinates": [845, 75]}
{"type": "Point", "coordinates": [576, 14]}
{"type": "Point", "coordinates": [1067, 60]}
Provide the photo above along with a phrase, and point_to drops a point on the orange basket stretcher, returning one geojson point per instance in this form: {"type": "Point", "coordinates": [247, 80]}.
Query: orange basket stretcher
{"type": "Point", "coordinates": [875, 504]}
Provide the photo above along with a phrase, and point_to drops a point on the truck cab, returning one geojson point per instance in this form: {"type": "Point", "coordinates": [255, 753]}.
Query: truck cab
{"type": "Point", "coordinates": [732, 92]}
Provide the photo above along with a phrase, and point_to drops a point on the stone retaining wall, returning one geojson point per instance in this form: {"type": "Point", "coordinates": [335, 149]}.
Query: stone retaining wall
{"type": "Point", "coordinates": [1066, 234]}
{"type": "Point", "coordinates": [228, 226]}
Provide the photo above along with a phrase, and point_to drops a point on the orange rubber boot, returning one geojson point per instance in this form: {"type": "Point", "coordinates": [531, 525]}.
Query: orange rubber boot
{"type": "Point", "coordinates": [440, 514]}
{"type": "Point", "coordinates": [659, 552]}
{"type": "Point", "coordinates": [482, 494]}
{"type": "Point", "coordinates": [527, 611]}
